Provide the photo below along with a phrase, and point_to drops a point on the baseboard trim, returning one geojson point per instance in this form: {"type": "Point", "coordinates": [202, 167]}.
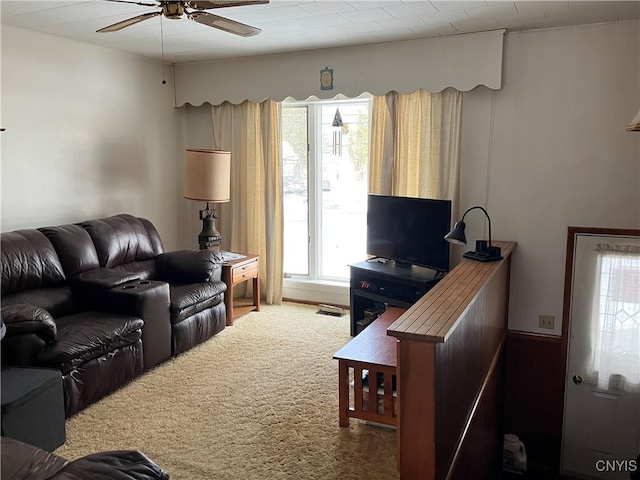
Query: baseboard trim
{"type": "Point", "coordinates": [309, 302]}
{"type": "Point", "coordinates": [540, 337]}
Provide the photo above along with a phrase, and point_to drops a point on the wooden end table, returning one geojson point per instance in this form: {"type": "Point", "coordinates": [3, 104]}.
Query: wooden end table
{"type": "Point", "coordinates": [235, 272]}
{"type": "Point", "coordinates": [376, 352]}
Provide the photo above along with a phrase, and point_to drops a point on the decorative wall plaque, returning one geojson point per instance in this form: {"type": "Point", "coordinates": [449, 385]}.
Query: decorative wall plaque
{"type": "Point", "coordinates": [326, 79]}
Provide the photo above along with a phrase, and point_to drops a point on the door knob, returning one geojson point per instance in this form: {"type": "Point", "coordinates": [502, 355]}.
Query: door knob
{"type": "Point", "coordinates": [577, 379]}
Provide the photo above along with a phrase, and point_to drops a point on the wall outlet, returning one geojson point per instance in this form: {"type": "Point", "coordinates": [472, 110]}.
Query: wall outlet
{"type": "Point", "coordinates": [547, 321]}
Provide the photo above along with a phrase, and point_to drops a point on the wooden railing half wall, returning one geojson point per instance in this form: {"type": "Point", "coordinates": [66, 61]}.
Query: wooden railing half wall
{"type": "Point", "coordinates": [450, 348]}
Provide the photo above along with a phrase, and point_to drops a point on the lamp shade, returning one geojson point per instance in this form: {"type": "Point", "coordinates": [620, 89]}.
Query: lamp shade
{"type": "Point", "coordinates": [456, 235]}
{"type": "Point", "coordinates": [207, 175]}
{"type": "Point", "coordinates": [485, 251]}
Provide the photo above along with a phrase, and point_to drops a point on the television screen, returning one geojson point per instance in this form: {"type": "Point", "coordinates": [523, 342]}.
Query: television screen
{"type": "Point", "coordinates": [409, 230]}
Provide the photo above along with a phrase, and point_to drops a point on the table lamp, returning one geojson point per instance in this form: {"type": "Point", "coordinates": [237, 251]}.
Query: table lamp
{"type": "Point", "coordinates": [485, 252]}
{"type": "Point", "coordinates": [207, 178]}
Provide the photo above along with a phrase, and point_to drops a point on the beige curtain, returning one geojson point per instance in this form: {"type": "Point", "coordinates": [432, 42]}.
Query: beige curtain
{"type": "Point", "coordinates": [251, 131]}
{"type": "Point", "coordinates": [415, 145]}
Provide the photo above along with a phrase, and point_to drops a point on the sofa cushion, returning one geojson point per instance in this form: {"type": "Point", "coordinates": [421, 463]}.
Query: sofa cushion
{"type": "Point", "coordinates": [187, 300]}
{"type": "Point", "coordinates": [88, 335]}
{"type": "Point", "coordinates": [120, 239]}
{"type": "Point", "coordinates": [154, 236]}
{"type": "Point", "coordinates": [58, 301]}
{"type": "Point", "coordinates": [29, 261]}
{"type": "Point", "coordinates": [74, 247]}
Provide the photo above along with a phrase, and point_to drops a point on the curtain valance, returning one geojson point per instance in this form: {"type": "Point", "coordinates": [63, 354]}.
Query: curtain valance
{"type": "Point", "coordinates": [433, 64]}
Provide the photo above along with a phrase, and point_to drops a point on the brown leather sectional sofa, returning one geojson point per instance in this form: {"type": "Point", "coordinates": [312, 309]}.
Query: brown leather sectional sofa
{"type": "Point", "coordinates": [102, 302]}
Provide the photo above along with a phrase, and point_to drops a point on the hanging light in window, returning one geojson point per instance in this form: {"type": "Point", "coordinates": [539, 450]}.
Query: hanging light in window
{"type": "Point", "coordinates": [337, 133]}
{"type": "Point", "coordinates": [337, 119]}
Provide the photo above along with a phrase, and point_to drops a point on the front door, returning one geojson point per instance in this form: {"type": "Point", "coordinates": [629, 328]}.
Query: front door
{"type": "Point", "coordinates": [601, 436]}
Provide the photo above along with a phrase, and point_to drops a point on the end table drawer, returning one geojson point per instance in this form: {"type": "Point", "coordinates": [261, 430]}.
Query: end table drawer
{"type": "Point", "coordinates": [244, 272]}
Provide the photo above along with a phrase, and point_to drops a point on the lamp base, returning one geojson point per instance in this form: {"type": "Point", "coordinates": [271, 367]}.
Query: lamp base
{"type": "Point", "coordinates": [209, 238]}
{"type": "Point", "coordinates": [486, 254]}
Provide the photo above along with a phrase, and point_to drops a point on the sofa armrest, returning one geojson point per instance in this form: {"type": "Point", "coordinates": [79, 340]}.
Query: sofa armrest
{"type": "Point", "coordinates": [150, 301]}
{"type": "Point", "coordinates": [29, 330]}
{"type": "Point", "coordinates": [91, 286]}
{"type": "Point", "coordinates": [104, 278]}
{"type": "Point", "coordinates": [21, 319]}
{"type": "Point", "coordinates": [21, 460]}
{"type": "Point", "coordinates": [119, 464]}
{"type": "Point", "coordinates": [190, 266]}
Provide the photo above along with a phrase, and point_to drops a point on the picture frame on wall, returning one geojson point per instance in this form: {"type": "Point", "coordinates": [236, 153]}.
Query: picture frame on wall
{"type": "Point", "coordinates": [326, 79]}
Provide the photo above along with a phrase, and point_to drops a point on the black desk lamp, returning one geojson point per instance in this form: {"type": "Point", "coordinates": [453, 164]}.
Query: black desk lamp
{"type": "Point", "coordinates": [485, 252]}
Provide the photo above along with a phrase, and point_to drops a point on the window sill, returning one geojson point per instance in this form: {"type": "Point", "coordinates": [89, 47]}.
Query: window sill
{"type": "Point", "coordinates": [316, 291]}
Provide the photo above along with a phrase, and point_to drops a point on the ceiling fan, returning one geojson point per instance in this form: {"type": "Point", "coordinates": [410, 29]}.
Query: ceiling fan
{"type": "Point", "coordinates": [176, 9]}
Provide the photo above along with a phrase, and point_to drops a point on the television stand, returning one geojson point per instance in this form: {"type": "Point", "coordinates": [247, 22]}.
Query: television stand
{"type": "Point", "coordinates": [376, 286]}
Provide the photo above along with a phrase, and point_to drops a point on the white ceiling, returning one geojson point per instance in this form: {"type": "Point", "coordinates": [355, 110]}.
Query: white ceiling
{"type": "Point", "coordinates": [294, 25]}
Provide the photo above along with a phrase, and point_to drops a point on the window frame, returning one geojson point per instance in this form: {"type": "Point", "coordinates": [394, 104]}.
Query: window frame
{"type": "Point", "coordinates": [314, 182]}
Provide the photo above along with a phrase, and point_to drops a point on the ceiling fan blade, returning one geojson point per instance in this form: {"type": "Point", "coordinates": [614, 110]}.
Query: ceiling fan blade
{"type": "Point", "coordinates": [207, 4]}
{"type": "Point", "coordinates": [144, 4]}
{"type": "Point", "coordinates": [225, 24]}
{"type": "Point", "coordinates": [128, 22]}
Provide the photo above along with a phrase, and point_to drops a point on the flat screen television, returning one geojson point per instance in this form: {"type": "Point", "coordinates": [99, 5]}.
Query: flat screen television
{"type": "Point", "coordinates": [409, 230]}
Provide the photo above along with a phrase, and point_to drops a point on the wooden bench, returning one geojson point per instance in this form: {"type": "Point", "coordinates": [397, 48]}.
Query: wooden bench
{"type": "Point", "coordinates": [369, 360]}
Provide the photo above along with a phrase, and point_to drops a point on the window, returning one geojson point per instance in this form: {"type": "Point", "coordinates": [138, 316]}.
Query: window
{"type": "Point", "coordinates": [325, 149]}
{"type": "Point", "coordinates": [616, 318]}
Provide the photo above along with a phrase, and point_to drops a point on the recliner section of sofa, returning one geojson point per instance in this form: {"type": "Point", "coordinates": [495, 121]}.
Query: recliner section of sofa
{"type": "Point", "coordinates": [102, 302]}
{"type": "Point", "coordinates": [132, 245]}
{"type": "Point", "coordinates": [47, 325]}
{"type": "Point", "coordinates": [115, 290]}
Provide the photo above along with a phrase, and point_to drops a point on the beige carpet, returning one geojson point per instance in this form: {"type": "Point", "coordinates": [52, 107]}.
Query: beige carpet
{"type": "Point", "coordinates": [257, 401]}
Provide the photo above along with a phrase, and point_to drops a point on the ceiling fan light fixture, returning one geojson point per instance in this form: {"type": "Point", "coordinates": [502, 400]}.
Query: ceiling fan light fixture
{"type": "Point", "coordinates": [176, 9]}
{"type": "Point", "coordinates": [173, 10]}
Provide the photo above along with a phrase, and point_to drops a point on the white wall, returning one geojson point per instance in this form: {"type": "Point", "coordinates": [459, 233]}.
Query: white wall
{"type": "Point", "coordinates": [560, 154]}
{"type": "Point", "coordinates": [90, 132]}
